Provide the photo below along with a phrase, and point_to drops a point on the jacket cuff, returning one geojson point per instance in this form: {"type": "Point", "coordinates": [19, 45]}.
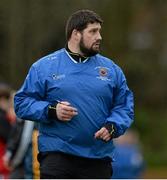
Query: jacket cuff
{"type": "Point", "coordinates": [52, 114]}
{"type": "Point", "coordinates": [111, 129]}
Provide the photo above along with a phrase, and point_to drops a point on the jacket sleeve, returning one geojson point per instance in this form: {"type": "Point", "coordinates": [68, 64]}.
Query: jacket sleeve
{"type": "Point", "coordinates": [29, 101]}
{"type": "Point", "coordinates": [122, 112]}
{"type": "Point", "coordinates": [25, 142]}
{"type": "Point", "coordinates": [14, 136]}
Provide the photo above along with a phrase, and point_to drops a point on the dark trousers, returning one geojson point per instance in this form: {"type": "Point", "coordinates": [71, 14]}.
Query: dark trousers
{"type": "Point", "coordinates": [64, 166]}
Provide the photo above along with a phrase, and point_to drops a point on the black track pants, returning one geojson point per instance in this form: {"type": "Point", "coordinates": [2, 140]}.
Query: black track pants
{"type": "Point", "coordinates": [63, 166]}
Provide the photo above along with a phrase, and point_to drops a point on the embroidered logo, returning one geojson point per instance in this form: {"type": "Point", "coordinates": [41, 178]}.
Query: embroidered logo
{"type": "Point", "coordinates": [57, 77]}
{"type": "Point", "coordinates": [103, 73]}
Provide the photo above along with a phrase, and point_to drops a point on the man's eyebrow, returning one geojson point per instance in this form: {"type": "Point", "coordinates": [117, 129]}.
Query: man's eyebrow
{"type": "Point", "coordinates": [95, 28]}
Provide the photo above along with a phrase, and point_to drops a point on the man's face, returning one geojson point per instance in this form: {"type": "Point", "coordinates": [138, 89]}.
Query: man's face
{"type": "Point", "coordinates": [90, 40]}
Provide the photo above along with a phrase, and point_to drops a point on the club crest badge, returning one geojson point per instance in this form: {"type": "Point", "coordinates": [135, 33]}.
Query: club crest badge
{"type": "Point", "coordinates": [103, 73]}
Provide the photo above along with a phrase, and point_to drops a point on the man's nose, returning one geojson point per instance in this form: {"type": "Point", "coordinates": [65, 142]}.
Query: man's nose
{"type": "Point", "coordinates": [99, 37]}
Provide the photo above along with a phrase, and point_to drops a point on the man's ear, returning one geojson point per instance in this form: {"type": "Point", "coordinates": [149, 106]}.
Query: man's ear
{"type": "Point", "coordinates": [76, 35]}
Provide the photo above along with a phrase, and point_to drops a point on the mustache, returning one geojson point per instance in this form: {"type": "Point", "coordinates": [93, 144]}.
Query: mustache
{"type": "Point", "coordinates": [97, 42]}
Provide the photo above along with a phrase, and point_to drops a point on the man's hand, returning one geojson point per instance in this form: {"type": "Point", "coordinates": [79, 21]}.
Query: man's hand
{"type": "Point", "coordinates": [6, 161]}
{"type": "Point", "coordinates": [103, 134]}
{"type": "Point", "coordinates": [65, 111]}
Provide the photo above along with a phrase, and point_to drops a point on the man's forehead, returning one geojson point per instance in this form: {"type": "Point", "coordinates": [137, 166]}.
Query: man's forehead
{"type": "Point", "coordinates": [94, 25]}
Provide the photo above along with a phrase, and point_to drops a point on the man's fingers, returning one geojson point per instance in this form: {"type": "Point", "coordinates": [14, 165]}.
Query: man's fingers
{"type": "Point", "coordinates": [69, 113]}
{"type": "Point", "coordinates": [65, 111]}
{"type": "Point", "coordinates": [69, 108]}
{"type": "Point", "coordinates": [65, 118]}
{"type": "Point", "coordinates": [66, 106]}
{"type": "Point", "coordinates": [106, 137]}
{"type": "Point", "coordinates": [99, 133]}
{"type": "Point", "coordinates": [103, 134]}
{"type": "Point", "coordinates": [64, 102]}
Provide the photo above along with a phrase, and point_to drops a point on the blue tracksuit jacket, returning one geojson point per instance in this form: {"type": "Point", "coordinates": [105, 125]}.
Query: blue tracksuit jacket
{"type": "Point", "coordinates": [96, 87]}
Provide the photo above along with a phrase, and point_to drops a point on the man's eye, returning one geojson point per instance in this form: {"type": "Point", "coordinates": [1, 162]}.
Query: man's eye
{"type": "Point", "coordinates": [94, 31]}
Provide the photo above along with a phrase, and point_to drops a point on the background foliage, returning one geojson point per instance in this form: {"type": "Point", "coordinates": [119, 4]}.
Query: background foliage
{"type": "Point", "coordinates": [134, 35]}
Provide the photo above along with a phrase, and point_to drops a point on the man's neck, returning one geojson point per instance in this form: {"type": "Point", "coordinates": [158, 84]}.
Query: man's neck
{"type": "Point", "coordinates": [74, 48]}
{"type": "Point", "coordinates": [74, 53]}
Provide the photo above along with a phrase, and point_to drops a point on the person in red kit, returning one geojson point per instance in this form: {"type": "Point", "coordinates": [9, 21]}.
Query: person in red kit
{"type": "Point", "coordinates": [5, 126]}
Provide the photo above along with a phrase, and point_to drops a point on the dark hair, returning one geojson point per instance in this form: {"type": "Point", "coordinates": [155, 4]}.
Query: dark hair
{"type": "Point", "coordinates": [79, 21]}
{"type": "Point", "coordinates": [5, 90]}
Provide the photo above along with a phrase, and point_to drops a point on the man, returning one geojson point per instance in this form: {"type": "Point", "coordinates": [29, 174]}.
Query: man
{"type": "Point", "coordinates": [81, 101]}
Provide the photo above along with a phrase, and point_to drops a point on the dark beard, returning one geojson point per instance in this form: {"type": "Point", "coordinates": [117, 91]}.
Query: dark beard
{"type": "Point", "coordinates": [87, 52]}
